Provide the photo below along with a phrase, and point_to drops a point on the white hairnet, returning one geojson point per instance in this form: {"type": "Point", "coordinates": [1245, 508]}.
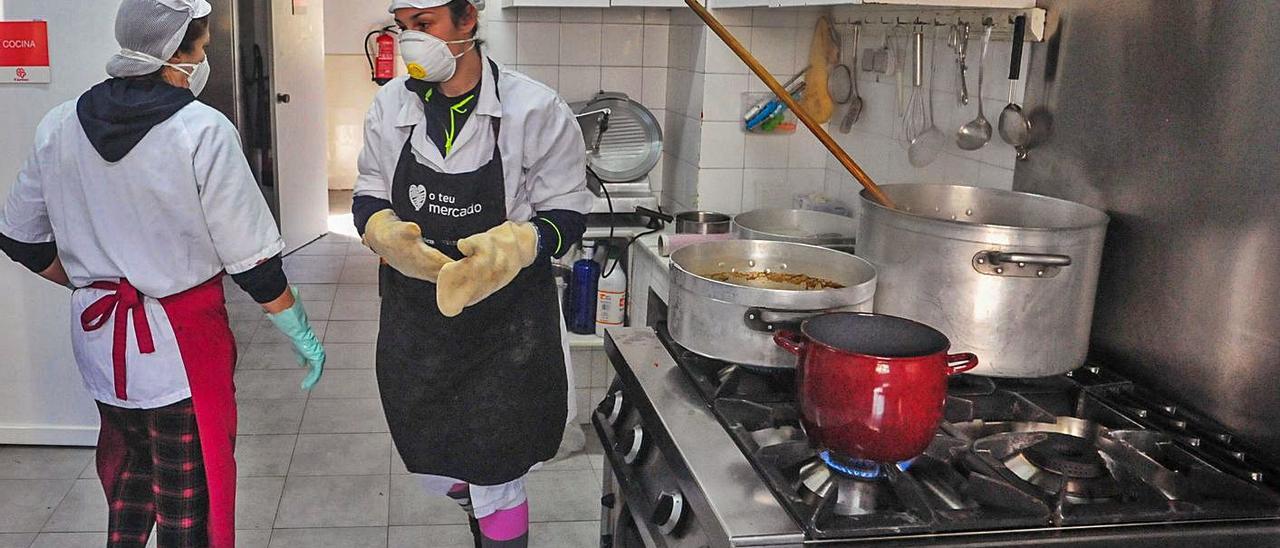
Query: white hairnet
{"type": "Point", "coordinates": [424, 4]}
{"type": "Point", "coordinates": [153, 27]}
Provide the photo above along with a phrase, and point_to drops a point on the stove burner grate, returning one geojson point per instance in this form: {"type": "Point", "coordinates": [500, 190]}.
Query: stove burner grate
{"type": "Point", "coordinates": [1067, 456]}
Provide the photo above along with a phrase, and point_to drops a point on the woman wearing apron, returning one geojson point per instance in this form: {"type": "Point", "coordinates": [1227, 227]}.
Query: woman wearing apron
{"type": "Point", "coordinates": [139, 197]}
{"type": "Point", "coordinates": [471, 179]}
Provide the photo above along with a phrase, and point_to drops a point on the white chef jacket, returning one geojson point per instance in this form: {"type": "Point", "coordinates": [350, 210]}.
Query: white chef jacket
{"type": "Point", "coordinates": [543, 151]}
{"type": "Point", "coordinates": [181, 207]}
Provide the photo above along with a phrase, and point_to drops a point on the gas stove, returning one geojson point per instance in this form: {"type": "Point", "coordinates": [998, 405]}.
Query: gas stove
{"type": "Point", "coordinates": [1085, 457]}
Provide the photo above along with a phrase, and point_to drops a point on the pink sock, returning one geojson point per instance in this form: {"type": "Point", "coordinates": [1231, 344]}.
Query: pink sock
{"type": "Point", "coordinates": [506, 524]}
{"type": "Point", "coordinates": [458, 488]}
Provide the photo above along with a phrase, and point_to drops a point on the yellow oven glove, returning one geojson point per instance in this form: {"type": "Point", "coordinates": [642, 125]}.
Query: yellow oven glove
{"type": "Point", "coordinates": [400, 244]}
{"type": "Point", "coordinates": [493, 259]}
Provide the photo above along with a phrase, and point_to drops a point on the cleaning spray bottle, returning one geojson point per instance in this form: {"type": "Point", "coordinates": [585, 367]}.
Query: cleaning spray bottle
{"type": "Point", "coordinates": [611, 295]}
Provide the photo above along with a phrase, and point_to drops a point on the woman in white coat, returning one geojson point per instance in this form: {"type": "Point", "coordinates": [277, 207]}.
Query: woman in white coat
{"type": "Point", "coordinates": [472, 177]}
{"type": "Point", "coordinates": [139, 197]}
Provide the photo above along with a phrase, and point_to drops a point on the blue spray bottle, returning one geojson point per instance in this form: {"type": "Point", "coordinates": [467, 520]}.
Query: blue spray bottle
{"type": "Point", "coordinates": [583, 284]}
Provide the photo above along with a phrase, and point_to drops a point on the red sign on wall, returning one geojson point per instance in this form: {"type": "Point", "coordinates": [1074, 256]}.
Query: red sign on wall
{"type": "Point", "coordinates": [24, 52]}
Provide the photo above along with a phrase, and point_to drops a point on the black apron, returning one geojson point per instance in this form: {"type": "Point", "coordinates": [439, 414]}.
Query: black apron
{"type": "Point", "coordinates": [481, 397]}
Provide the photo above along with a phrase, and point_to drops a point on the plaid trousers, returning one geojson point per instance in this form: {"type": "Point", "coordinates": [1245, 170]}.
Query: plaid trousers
{"type": "Point", "coordinates": [153, 474]}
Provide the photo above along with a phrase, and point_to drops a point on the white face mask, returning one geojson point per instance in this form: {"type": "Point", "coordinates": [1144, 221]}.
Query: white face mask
{"type": "Point", "coordinates": [197, 74]}
{"type": "Point", "coordinates": [428, 58]}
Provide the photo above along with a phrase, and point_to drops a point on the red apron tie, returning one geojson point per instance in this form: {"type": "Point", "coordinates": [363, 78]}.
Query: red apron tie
{"type": "Point", "coordinates": [124, 299]}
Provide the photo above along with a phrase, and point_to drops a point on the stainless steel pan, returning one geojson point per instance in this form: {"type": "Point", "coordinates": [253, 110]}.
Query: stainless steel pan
{"type": "Point", "coordinates": [735, 323]}
{"type": "Point", "coordinates": [797, 225]}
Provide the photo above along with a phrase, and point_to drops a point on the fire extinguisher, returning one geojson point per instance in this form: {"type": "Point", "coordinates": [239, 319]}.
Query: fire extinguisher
{"type": "Point", "coordinates": [383, 66]}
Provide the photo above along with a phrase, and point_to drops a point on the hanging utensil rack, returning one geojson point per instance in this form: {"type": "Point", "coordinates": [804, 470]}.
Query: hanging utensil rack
{"type": "Point", "coordinates": [874, 16]}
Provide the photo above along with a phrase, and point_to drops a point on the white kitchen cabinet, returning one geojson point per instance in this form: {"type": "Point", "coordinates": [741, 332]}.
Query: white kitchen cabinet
{"type": "Point", "coordinates": [555, 3]}
{"type": "Point", "coordinates": [648, 3]}
{"type": "Point", "coordinates": [924, 4]}
{"type": "Point", "coordinates": [1000, 4]}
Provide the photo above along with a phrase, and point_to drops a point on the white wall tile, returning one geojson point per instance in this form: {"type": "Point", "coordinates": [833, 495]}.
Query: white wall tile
{"type": "Point", "coordinates": [500, 41]}
{"type": "Point", "coordinates": [684, 185]}
{"type": "Point", "coordinates": [750, 179]}
{"type": "Point", "coordinates": [624, 15]}
{"type": "Point", "coordinates": [807, 181]}
{"type": "Point", "coordinates": [628, 80]}
{"type": "Point", "coordinates": [495, 12]}
{"type": "Point", "coordinates": [581, 15]}
{"type": "Point", "coordinates": [766, 151]}
{"type": "Point", "coordinates": [538, 15]}
{"type": "Point", "coordinates": [549, 75]}
{"type": "Point", "coordinates": [722, 100]}
{"type": "Point", "coordinates": [343, 35]}
{"type": "Point", "coordinates": [740, 17]}
{"type": "Point", "coordinates": [720, 190]}
{"type": "Point", "coordinates": [879, 114]}
{"type": "Point", "coordinates": [686, 18]}
{"type": "Point", "coordinates": [654, 92]}
{"type": "Point", "coordinates": [999, 153]}
{"type": "Point", "coordinates": [688, 48]}
{"type": "Point", "coordinates": [538, 43]}
{"type": "Point", "coordinates": [722, 145]}
{"type": "Point", "coordinates": [995, 177]}
{"type": "Point", "coordinates": [684, 93]}
{"type": "Point", "coordinates": [656, 44]}
{"type": "Point", "coordinates": [806, 18]}
{"type": "Point", "coordinates": [579, 83]}
{"type": "Point", "coordinates": [580, 44]}
{"type": "Point", "coordinates": [691, 137]}
{"type": "Point", "coordinates": [719, 58]}
{"type": "Point", "coordinates": [773, 17]}
{"type": "Point", "coordinates": [657, 16]}
{"type": "Point", "coordinates": [623, 45]}
{"type": "Point", "coordinates": [805, 151]}
{"type": "Point", "coordinates": [774, 47]}
{"type": "Point", "coordinates": [771, 190]}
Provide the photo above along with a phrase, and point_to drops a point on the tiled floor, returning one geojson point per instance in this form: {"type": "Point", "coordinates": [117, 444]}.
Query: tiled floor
{"type": "Point", "coordinates": [316, 470]}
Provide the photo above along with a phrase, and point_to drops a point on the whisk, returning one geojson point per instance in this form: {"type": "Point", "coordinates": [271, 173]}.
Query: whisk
{"type": "Point", "coordinates": [915, 120]}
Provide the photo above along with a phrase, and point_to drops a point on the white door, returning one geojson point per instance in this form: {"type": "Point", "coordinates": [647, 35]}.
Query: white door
{"type": "Point", "coordinates": [297, 61]}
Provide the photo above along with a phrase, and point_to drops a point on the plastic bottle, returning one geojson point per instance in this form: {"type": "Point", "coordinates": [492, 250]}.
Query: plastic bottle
{"type": "Point", "coordinates": [582, 292]}
{"type": "Point", "coordinates": [611, 296]}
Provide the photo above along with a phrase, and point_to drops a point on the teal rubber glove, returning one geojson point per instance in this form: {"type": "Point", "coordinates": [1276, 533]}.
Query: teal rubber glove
{"type": "Point", "coordinates": [293, 323]}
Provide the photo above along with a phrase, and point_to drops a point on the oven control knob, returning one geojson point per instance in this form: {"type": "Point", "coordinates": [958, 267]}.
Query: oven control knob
{"type": "Point", "coordinates": [668, 511]}
{"type": "Point", "coordinates": [611, 407]}
{"type": "Point", "coordinates": [631, 444]}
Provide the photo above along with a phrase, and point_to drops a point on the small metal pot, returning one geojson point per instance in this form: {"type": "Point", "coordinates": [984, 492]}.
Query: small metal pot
{"type": "Point", "coordinates": [702, 222]}
{"type": "Point", "coordinates": [736, 323]}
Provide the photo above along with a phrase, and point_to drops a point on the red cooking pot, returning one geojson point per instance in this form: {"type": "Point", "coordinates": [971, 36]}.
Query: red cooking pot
{"type": "Point", "coordinates": [871, 386]}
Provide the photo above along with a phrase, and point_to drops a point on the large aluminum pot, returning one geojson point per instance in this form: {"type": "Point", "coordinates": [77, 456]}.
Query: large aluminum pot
{"type": "Point", "coordinates": [1006, 275]}
{"type": "Point", "coordinates": [735, 323]}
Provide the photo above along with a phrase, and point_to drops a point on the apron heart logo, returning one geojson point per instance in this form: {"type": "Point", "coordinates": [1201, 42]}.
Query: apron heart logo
{"type": "Point", "coordinates": [417, 196]}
